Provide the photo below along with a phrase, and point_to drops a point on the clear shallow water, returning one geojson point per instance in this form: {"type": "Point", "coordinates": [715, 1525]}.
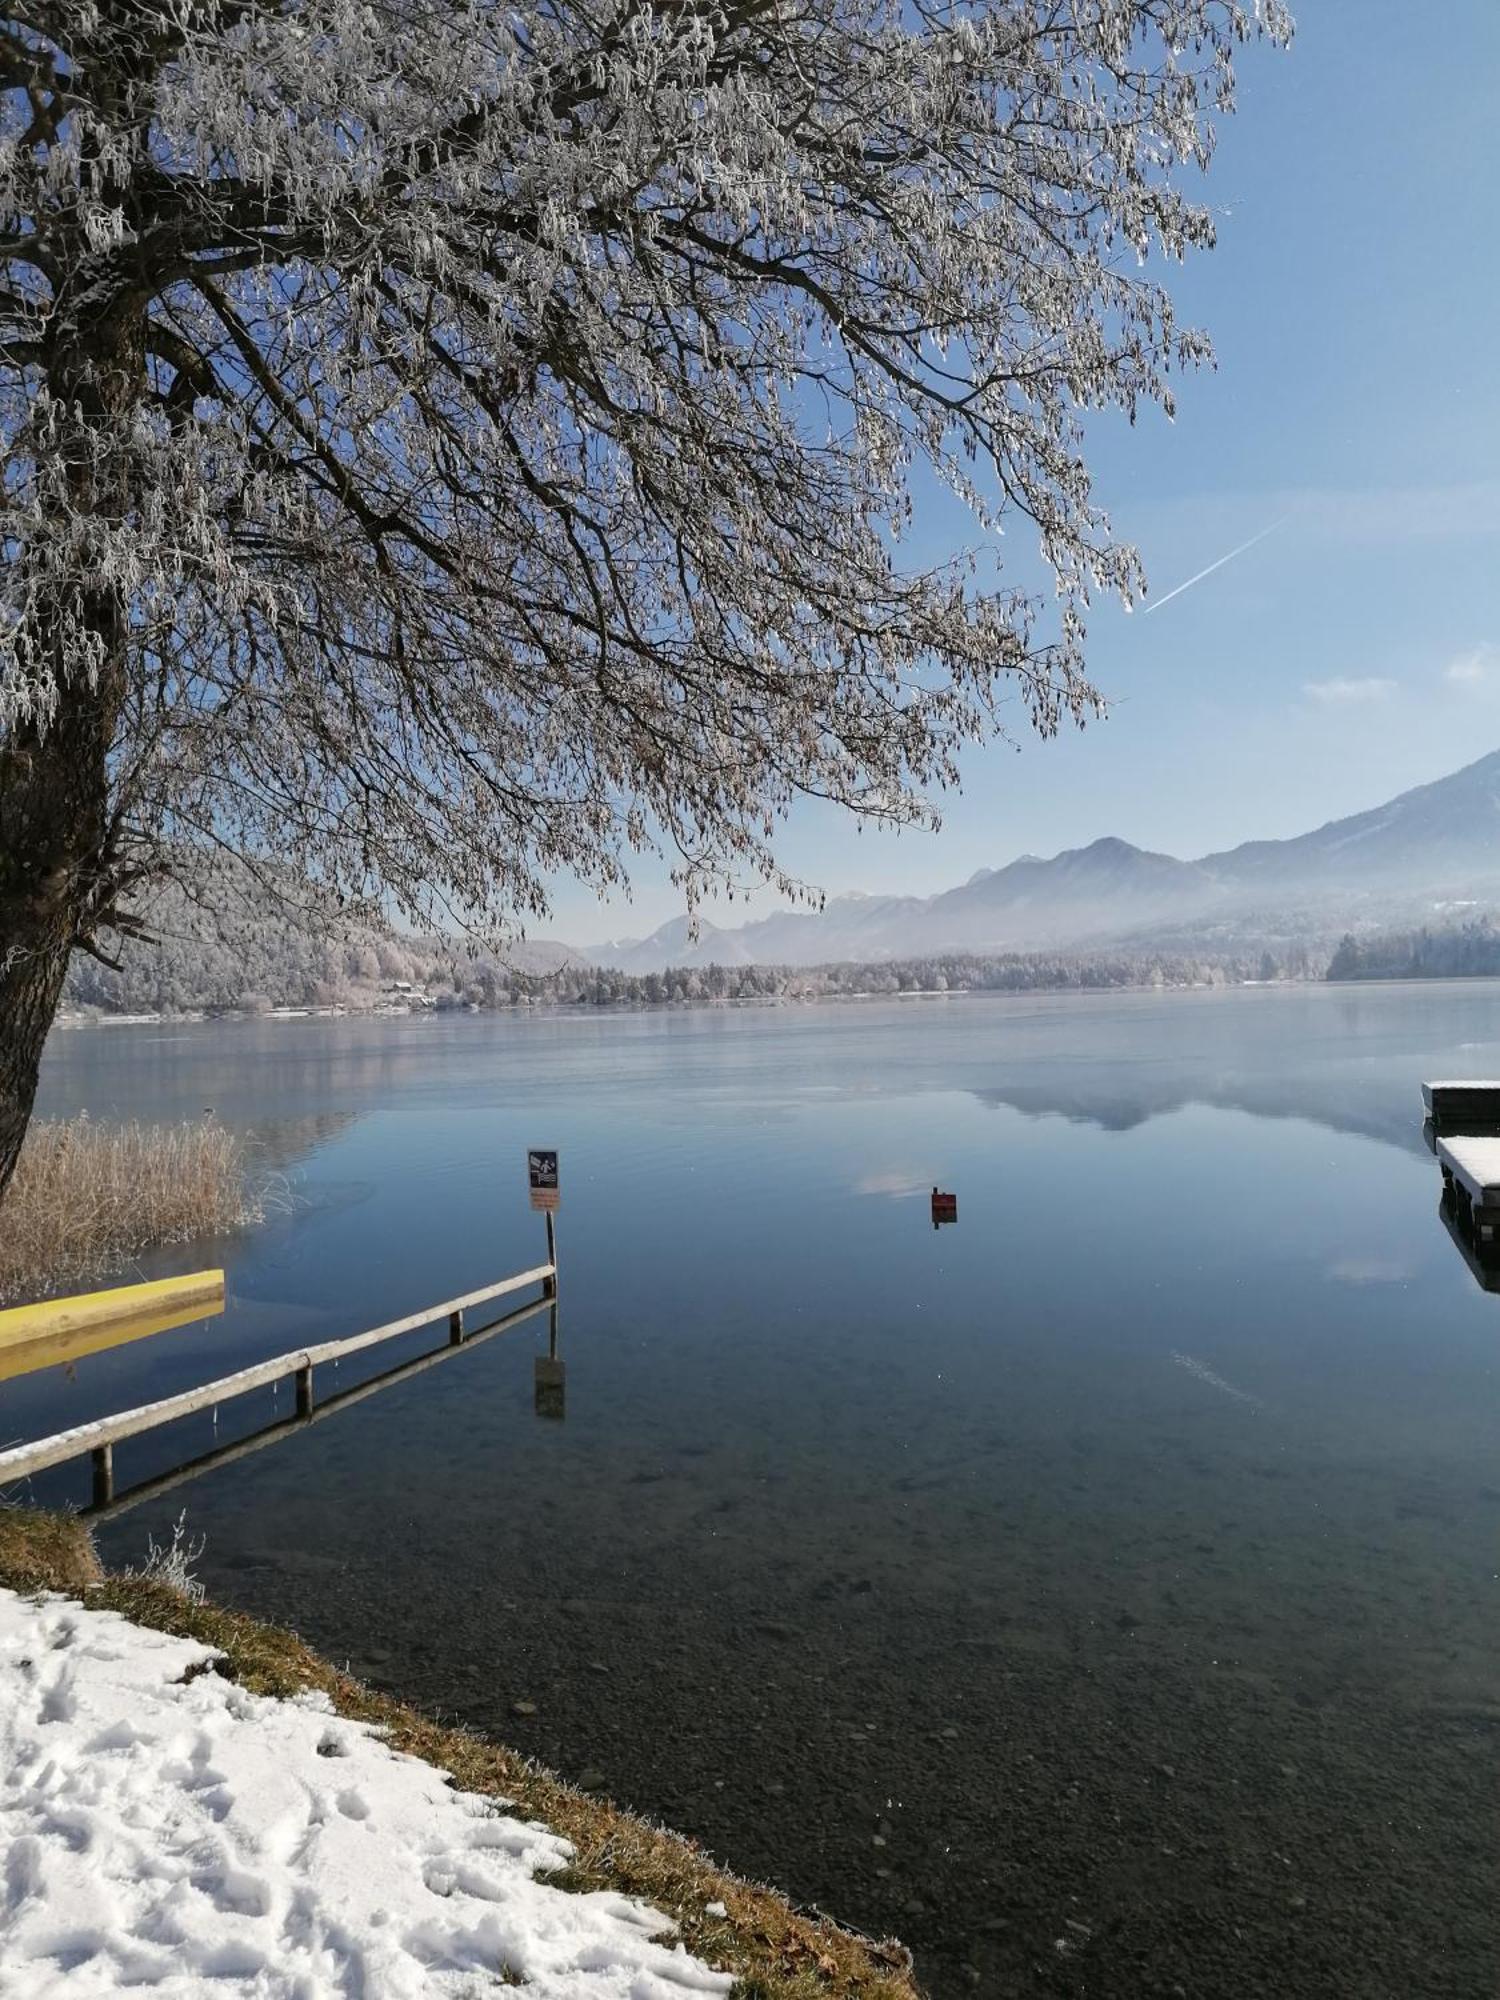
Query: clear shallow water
{"type": "Point", "coordinates": [1101, 1594]}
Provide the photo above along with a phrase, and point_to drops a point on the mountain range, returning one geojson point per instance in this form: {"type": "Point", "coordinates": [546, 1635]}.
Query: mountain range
{"type": "Point", "coordinates": [1428, 849]}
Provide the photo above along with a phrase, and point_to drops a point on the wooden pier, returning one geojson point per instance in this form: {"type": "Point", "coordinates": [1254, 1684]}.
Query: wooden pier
{"type": "Point", "coordinates": [1471, 1170]}
{"type": "Point", "coordinates": [1471, 1104]}
{"type": "Point", "coordinates": [98, 1439]}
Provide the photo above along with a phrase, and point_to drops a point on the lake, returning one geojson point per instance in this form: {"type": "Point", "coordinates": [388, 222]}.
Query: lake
{"type": "Point", "coordinates": [1099, 1593]}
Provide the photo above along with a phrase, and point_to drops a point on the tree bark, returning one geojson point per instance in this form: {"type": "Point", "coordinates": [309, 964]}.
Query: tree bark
{"type": "Point", "coordinates": [54, 793]}
{"type": "Point", "coordinates": [55, 822]}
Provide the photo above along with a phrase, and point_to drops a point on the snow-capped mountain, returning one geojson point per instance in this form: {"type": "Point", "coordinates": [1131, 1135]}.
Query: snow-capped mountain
{"type": "Point", "coordinates": [1445, 833]}
{"type": "Point", "coordinates": [1440, 840]}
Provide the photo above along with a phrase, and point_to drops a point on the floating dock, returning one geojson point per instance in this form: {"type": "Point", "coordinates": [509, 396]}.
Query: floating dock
{"type": "Point", "coordinates": [1452, 1105]}
{"type": "Point", "coordinates": [1471, 1168]}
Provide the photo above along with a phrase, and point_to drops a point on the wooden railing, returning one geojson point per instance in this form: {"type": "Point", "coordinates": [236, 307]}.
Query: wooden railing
{"type": "Point", "coordinates": [151, 1488]}
{"type": "Point", "coordinates": [99, 1438]}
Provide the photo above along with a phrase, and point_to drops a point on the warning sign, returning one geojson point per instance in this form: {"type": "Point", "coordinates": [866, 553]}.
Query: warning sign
{"type": "Point", "coordinates": [541, 1172]}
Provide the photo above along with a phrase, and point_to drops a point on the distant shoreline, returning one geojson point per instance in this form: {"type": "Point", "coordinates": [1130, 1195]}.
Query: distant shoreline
{"type": "Point", "coordinates": [76, 1020]}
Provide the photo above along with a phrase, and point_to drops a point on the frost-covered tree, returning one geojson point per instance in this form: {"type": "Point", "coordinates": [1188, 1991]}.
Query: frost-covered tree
{"type": "Point", "coordinates": [448, 442]}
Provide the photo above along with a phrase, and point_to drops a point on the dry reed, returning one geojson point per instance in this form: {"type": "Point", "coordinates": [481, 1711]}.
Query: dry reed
{"type": "Point", "coordinates": [85, 1198]}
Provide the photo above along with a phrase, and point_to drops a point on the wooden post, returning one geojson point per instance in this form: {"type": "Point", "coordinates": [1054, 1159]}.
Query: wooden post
{"type": "Point", "coordinates": [549, 1285]}
{"type": "Point", "coordinates": [455, 1328]}
{"type": "Point", "coordinates": [304, 1391]}
{"type": "Point", "coordinates": [103, 1456]}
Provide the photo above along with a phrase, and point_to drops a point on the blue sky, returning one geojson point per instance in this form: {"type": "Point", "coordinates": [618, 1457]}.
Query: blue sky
{"type": "Point", "coordinates": [1354, 302]}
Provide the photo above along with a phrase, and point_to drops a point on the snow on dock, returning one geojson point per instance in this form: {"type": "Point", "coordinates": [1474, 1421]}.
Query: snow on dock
{"type": "Point", "coordinates": [1472, 1166]}
{"type": "Point", "coordinates": [166, 1828]}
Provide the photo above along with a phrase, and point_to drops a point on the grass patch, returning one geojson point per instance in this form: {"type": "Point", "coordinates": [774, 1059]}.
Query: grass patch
{"type": "Point", "coordinates": [46, 1552]}
{"type": "Point", "coordinates": [85, 1198]}
{"type": "Point", "coordinates": [774, 1951]}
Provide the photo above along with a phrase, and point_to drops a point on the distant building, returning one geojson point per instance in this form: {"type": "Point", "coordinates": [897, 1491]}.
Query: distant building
{"type": "Point", "coordinates": [401, 993]}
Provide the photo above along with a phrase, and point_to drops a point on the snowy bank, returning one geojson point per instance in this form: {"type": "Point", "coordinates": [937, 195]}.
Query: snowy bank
{"type": "Point", "coordinates": [166, 1827]}
{"type": "Point", "coordinates": [744, 1929]}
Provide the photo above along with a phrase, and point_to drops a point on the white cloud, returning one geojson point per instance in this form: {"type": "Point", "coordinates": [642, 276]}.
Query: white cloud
{"type": "Point", "coordinates": [1480, 663]}
{"type": "Point", "coordinates": [1344, 693]}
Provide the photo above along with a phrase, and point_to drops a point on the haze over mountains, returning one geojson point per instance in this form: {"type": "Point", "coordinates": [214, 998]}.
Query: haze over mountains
{"type": "Point", "coordinates": [1435, 846]}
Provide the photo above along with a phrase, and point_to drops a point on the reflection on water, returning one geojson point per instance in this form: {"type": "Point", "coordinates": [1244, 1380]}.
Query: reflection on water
{"type": "Point", "coordinates": [1099, 1595]}
{"type": "Point", "coordinates": [1482, 1259]}
{"type": "Point", "coordinates": [282, 1143]}
{"type": "Point", "coordinates": [550, 1378]}
{"type": "Point", "coordinates": [1203, 1373]}
{"type": "Point", "coordinates": [66, 1348]}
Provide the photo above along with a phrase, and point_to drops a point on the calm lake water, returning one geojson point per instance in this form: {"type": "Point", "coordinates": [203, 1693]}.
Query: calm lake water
{"type": "Point", "coordinates": [1100, 1594]}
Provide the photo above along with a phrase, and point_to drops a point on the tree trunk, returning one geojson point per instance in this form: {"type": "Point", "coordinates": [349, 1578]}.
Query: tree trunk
{"type": "Point", "coordinates": [54, 791]}
{"type": "Point", "coordinates": [55, 819]}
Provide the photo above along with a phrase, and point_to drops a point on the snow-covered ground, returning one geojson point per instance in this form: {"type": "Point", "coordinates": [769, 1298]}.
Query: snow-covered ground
{"type": "Point", "coordinates": [190, 1836]}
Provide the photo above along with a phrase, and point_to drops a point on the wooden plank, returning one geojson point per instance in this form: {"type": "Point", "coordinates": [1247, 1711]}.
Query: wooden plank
{"type": "Point", "coordinates": [1475, 1099]}
{"type": "Point", "coordinates": [87, 1309]}
{"type": "Point", "coordinates": [53, 1349]}
{"type": "Point", "coordinates": [42, 1453]}
{"type": "Point", "coordinates": [58, 1449]}
{"type": "Point", "coordinates": [1433, 1093]}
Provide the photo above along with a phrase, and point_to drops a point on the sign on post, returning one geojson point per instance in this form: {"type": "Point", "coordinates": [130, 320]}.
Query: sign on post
{"type": "Point", "coordinates": [541, 1172]}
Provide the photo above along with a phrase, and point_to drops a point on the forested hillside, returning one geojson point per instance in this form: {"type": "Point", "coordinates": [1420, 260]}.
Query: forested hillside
{"type": "Point", "coordinates": [1466, 951]}
{"type": "Point", "coordinates": [224, 958]}
{"type": "Point", "coordinates": [205, 964]}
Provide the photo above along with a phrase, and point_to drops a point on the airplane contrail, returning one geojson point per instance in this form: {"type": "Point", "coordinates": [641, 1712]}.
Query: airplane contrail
{"type": "Point", "coordinates": [1181, 587]}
